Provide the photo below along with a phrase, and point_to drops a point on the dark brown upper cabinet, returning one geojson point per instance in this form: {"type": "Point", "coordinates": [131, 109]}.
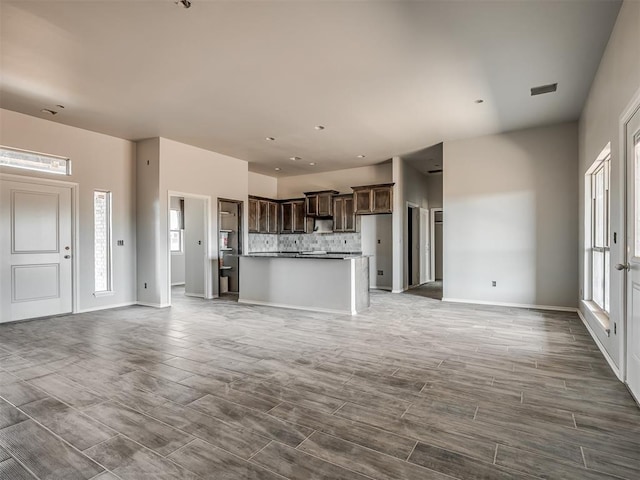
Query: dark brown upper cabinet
{"type": "Point", "coordinates": [320, 204]}
{"type": "Point", "coordinates": [292, 216]}
{"type": "Point", "coordinates": [373, 199]}
{"type": "Point", "coordinates": [254, 223]}
{"type": "Point", "coordinates": [344, 218]}
{"type": "Point", "coordinates": [263, 215]}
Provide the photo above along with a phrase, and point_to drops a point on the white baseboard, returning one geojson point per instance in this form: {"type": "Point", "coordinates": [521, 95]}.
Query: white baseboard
{"type": "Point", "coordinates": [294, 307]}
{"type": "Point", "coordinates": [603, 350]}
{"type": "Point", "coordinates": [375, 287]}
{"type": "Point", "coordinates": [198, 295]}
{"type": "Point", "coordinates": [398, 291]}
{"type": "Point", "coordinates": [106, 307]}
{"type": "Point", "coordinates": [514, 305]}
{"type": "Point", "coordinates": [177, 283]}
{"type": "Point", "coordinates": [154, 305]}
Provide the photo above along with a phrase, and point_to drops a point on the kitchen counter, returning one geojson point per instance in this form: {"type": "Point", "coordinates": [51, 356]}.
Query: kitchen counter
{"type": "Point", "coordinates": [327, 255]}
{"type": "Point", "coordinates": [306, 281]}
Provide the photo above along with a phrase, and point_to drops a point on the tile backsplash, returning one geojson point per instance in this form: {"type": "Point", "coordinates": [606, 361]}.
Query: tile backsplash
{"type": "Point", "coordinates": [300, 242]}
{"type": "Point", "coordinates": [262, 242]}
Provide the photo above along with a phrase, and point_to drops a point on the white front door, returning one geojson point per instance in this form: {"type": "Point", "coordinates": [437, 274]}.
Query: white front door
{"type": "Point", "coordinates": [633, 229]}
{"type": "Point", "coordinates": [35, 250]}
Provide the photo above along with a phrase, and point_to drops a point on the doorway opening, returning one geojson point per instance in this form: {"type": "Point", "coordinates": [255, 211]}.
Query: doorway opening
{"type": "Point", "coordinates": [189, 267]}
{"type": "Point", "coordinates": [229, 247]}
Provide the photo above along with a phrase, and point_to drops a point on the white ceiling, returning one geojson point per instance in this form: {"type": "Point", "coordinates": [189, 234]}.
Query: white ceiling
{"type": "Point", "coordinates": [385, 78]}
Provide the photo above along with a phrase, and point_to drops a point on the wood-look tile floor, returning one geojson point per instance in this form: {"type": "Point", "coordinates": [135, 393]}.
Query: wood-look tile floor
{"type": "Point", "coordinates": [411, 389]}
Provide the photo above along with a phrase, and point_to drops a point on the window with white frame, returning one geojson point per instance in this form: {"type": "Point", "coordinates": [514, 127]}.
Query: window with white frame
{"type": "Point", "coordinates": [39, 162]}
{"type": "Point", "coordinates": [176, 229]}
{"type": "Point", "coordinates": [102, 240]}
{"type": "Point", "coordinates": [598, 181]}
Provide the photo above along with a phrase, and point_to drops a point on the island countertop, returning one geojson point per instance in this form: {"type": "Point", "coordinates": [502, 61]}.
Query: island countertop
{"type": "Point", "coordinates": [321, 255]}
{"type": "Point", "coordinates": [307, 281]}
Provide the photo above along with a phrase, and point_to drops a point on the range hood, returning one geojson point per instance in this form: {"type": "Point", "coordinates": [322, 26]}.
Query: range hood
{"type": "Point", "coordinates": [322, 225]}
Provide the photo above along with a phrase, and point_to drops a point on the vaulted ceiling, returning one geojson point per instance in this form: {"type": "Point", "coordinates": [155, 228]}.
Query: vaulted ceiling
{"type": "Point", "coordinates": [384, 78]}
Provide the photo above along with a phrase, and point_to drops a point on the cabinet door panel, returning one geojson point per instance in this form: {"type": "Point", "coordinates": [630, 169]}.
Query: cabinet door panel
{"type": "Point", "coordinates": [299, 218]}
{"type": "Point", "coordinates": [363, 201]}
{"type": "Point", "coordinates": [338, 216]}
{"type": "Point", "coordinates": [253, 216]}
{"type": "Point", "coordinates": [381, 200]}
{"type": "Point", "coordinates": [263, 216]}
{"type": "Point", "coordinates": [324, 205]}
{"type": "Point", "coordinates": [349, 215]}
{"type": "Point", "coordinates": [273, 217]}
{"type": "Point", "coordinates": [312, 205]}
{"type": "Point", "coordinates": [286, 225]}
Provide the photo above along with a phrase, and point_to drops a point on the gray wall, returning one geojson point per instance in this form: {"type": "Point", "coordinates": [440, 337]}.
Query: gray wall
{"type": "Point", "coordinates": [615, 84]}
{"type": "Point", "coordinates": [99, 162]}
{"type": "Point", "coordinates": [511, 205]}
{"type": "Point", "coordinates": [376, 241]}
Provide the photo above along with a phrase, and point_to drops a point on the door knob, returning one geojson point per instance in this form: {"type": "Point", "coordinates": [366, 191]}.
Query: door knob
{"type": "Point", "coordinates": [623, 266]}
{"type": "Point", "coordinates": [67, 256]}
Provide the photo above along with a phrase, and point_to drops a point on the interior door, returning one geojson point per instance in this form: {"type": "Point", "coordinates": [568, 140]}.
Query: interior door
{"type": "Point", "coordinates": [194, 246]}
{"type": "Point", "coordinates": [633, 245]}
{"type": "Point", "coordinates": [35, 249]}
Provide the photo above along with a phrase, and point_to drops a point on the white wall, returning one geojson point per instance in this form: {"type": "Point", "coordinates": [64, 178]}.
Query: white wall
{"type": "Point", "coordinates": [377, 241]}
{"type": "Point", "coordinates": [98, 162]}
{"type": "Point", "coordinates": [434, 188]}
{"type": "Point", "coordinates": [511, 203]}
{"type": "Point", "coordinates": [188, 169]}
{"type": "Point", "coordinates": [263, 185]}
{"type": "Point", "coordinates": [410, 186]}
{"type": "Point", "coordinates": [340, 180]}
{"type": "Point", "coordinates": [616, 82]}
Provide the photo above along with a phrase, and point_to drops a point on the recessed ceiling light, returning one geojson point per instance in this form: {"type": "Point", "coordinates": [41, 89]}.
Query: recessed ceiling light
{"type": "Point", "coordinates": [271, 139]}
{"type": "Point", "coordinates": [479, 100]}
{"type": "Point", "coordinates": [312, 163]}
{"type": "Point", "coordinates": [361, 156]}
{"type": "Point", "coordinates": [277, 169]}
{"type": "Point", "coordinates": [184, 3]}
{"type": "Point", "coordinates": [319, 127]}
{"type": "Point", "coordinates": [50, 112]}
{"type": "Point", "coordinates": [295, 159]}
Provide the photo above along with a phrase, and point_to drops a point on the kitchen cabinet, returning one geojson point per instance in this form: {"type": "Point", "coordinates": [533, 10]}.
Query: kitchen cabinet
{"type": "Point", "coordinates": [320, 204]}
{"type": "Point", "coordinates": [263, 215]}
{"type": "Point", "coordinates": [344, 217]}
{"type": "Point", "coordinates": [254, 224]}
{"type": "Point", "coordinates": [373, 199]}
{"type": "Point", "coordinates": [292, 216]}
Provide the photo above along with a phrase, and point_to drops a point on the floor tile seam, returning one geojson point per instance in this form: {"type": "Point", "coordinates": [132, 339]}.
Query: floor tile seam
{"type": "Point", "coordinates": [358, 424]}
{"type": "Point", "coordinates": [145, 415]}
{"type": "Point", "coordinates": [327, 461]}
{"type": "Point", "coordinates": [23, 465]}
{"type": "Point", "coordinates": [144, 447]}
{"type": "Point", "coordinates": [395, 458]}
{"type": "Point", "coordinates": [236, 425]}
{"type": "Point", "coordinates": [69, 445]}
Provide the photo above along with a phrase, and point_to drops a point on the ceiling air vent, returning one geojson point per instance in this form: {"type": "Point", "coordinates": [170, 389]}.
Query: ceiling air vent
{"type": "Point", "coordinates": [552, 87]}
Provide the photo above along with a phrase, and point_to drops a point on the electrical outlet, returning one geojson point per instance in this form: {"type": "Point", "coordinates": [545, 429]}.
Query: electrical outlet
{"type": "Point", "coordinates": [145, 284]}
{"type": "Point", "coordinates": [378, 241]}
{"type": "Point", "coordinates": [380, 272]}
{"type": "Point", "coordinates": [120, 243]}
{"type": "Point", "coordinates": [493, 283]}
{"type": "Point", "coordinates": [615, 328]}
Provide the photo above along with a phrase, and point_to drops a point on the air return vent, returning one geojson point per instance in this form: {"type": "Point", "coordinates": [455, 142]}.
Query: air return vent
{"type": "Point", "coordinates": [552, 87]}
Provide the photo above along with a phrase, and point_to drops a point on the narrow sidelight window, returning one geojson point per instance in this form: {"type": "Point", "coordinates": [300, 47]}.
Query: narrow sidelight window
{"type": "Point", "coordinates": [102, 240]}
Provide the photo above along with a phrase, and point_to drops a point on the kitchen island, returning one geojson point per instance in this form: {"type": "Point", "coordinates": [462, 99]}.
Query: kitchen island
{"type": "Point", "coordinates": [323, 282]}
